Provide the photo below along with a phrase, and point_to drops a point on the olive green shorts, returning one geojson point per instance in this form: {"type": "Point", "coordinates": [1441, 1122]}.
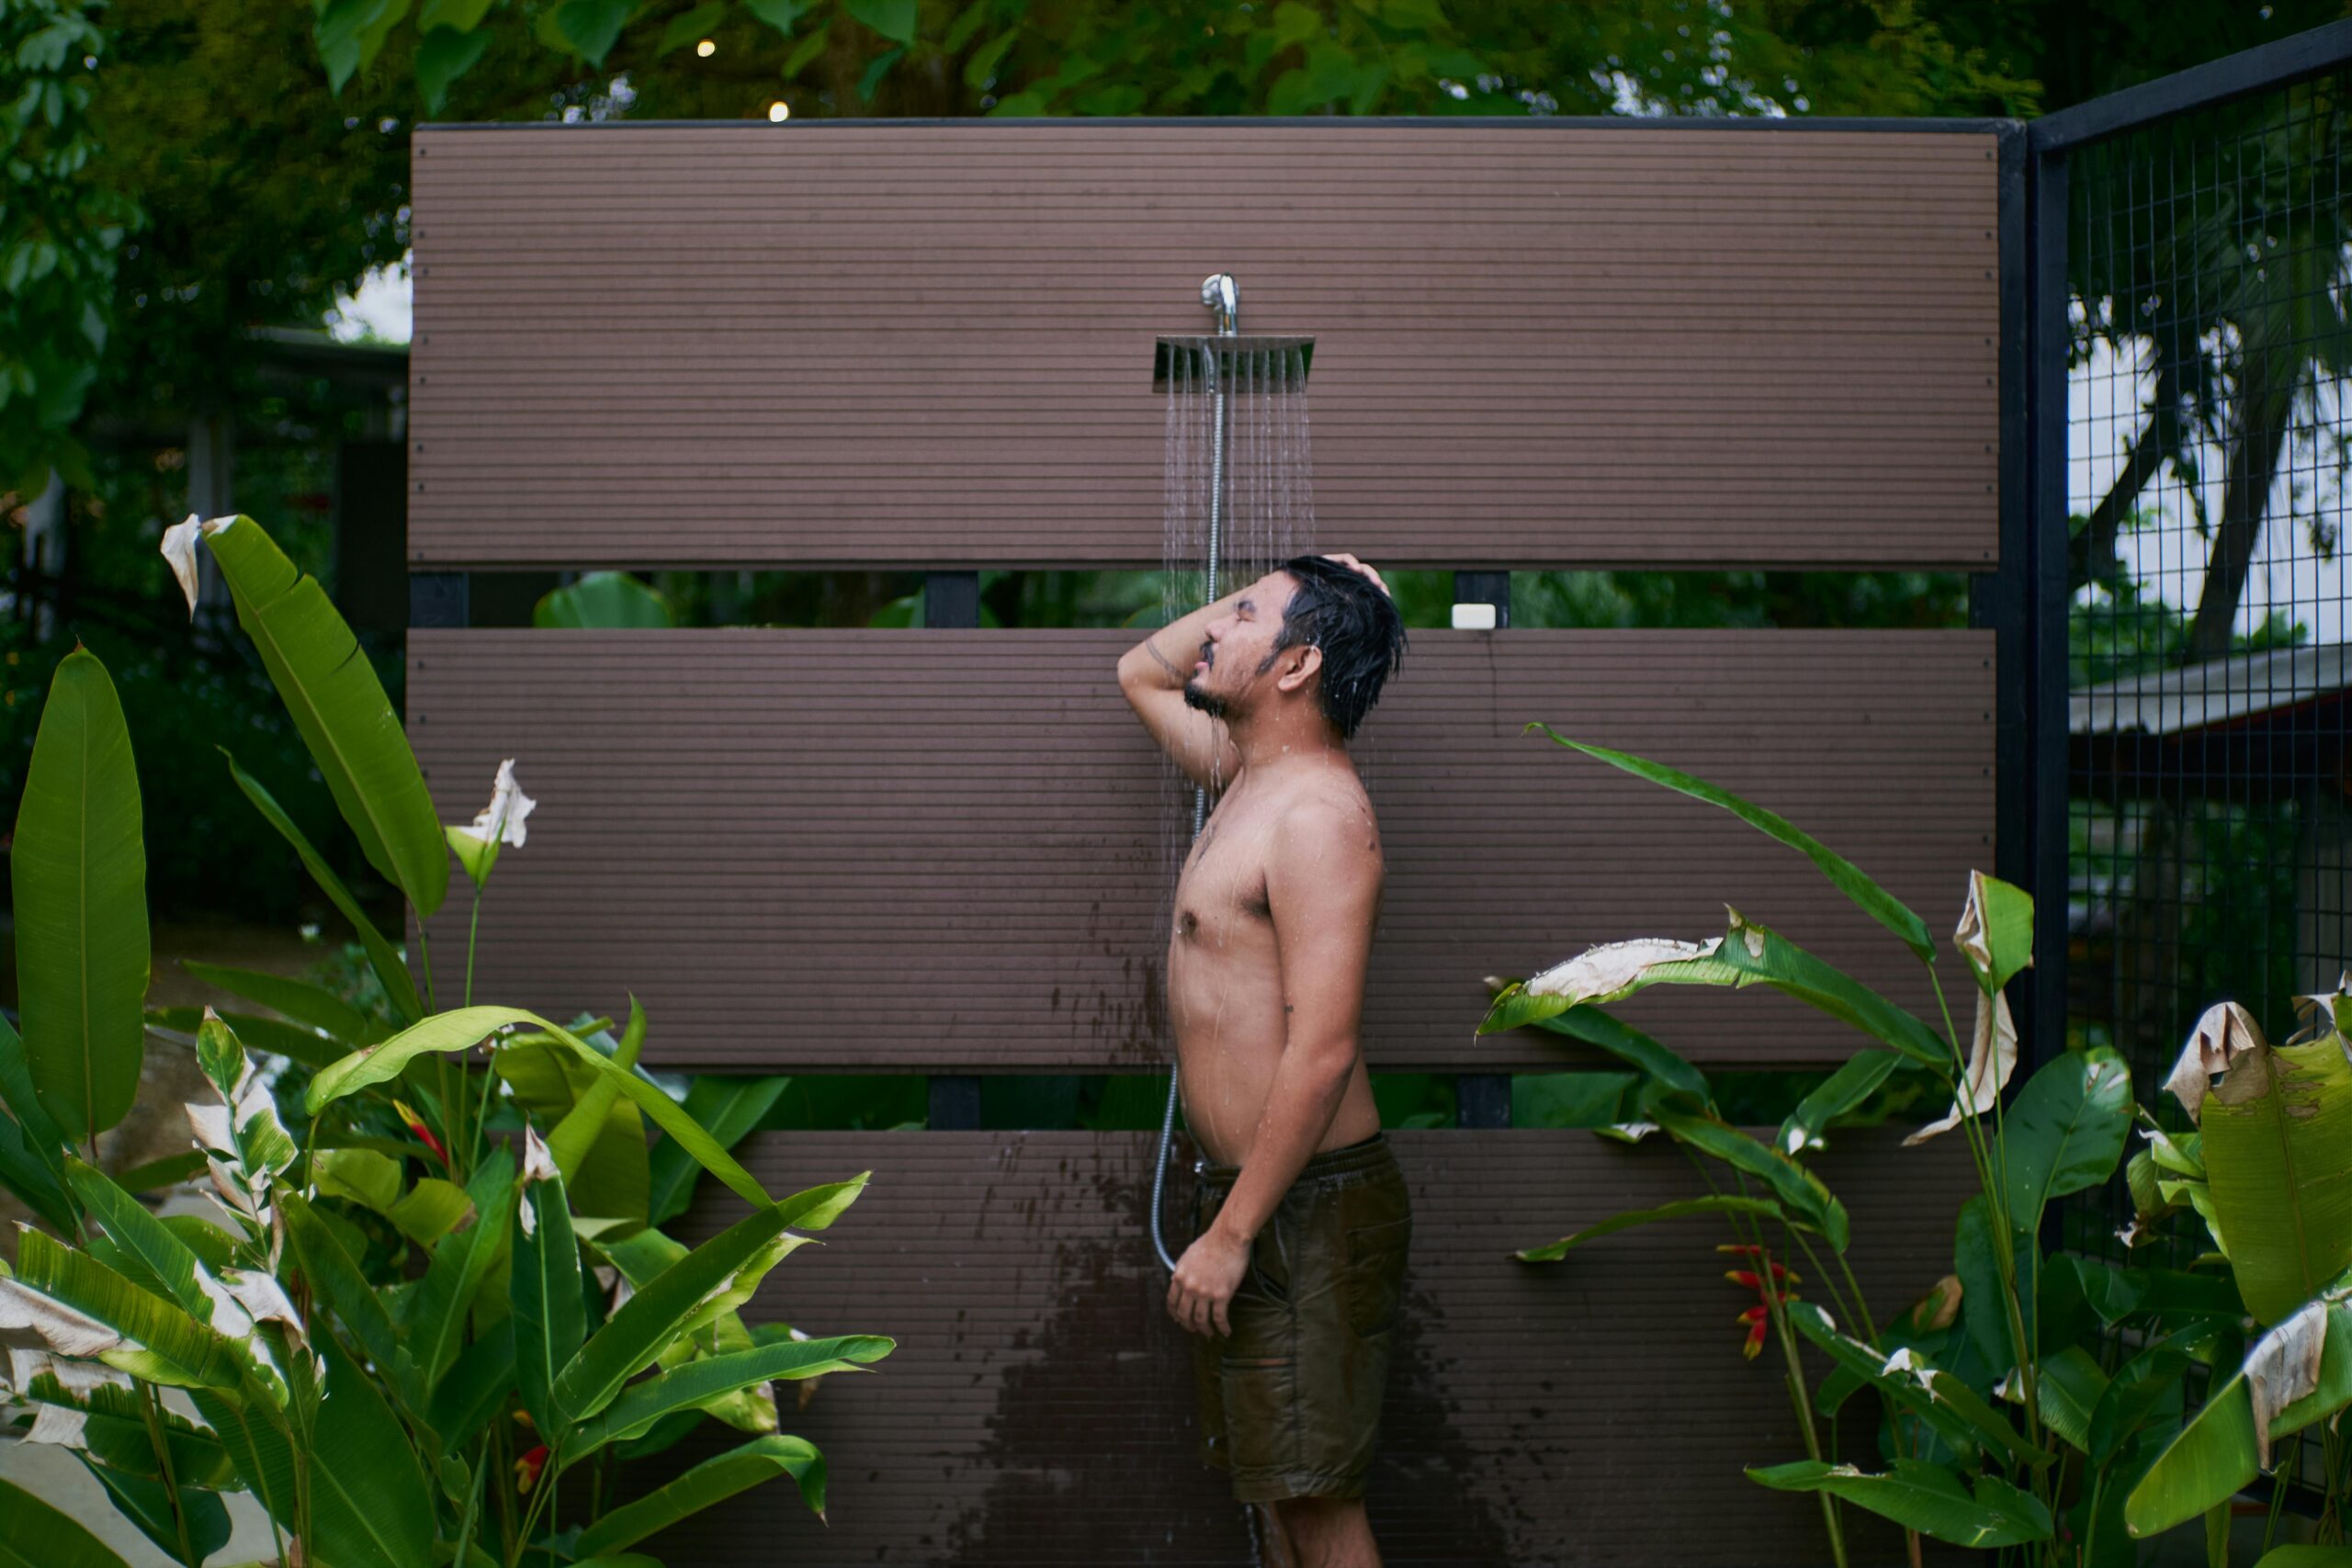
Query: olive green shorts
{"type": "Point", "coordinates": [1290, 1403]}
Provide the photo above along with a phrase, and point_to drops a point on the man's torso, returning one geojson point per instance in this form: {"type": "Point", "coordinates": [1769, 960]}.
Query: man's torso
{"type": "Point", "coordinates": [1224, 991]}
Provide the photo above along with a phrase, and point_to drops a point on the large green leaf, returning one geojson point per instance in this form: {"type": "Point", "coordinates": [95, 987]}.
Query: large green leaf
{"type": "Point", "coordinates": [600, 1143]}
{"type": "Point", "coordinates": [336, 1279]}
{"type": "Point", "coordinates": [1807, 1200]}
{"type": "Point", "coordinates": [260, 1444]}
{"type": "Point", "coordinates": [147, 1503]}
{"type": "Point", "coordinates": [550, 1318]}
{"type": "Point", "coordinates": [727, 1109]}
{"type": "Point", "coordinates": [2066, 1132]}
{"type": "Point", "coordinates": [463, 1028]}
{"type": "Point", "coordinates": [399, 988]}
{"type": "Point", "coordinates": [2277, 1151]}
{"type": "Point", "coordinates": [43, 1139]}
{"type": "Point", "coordinates": [697, 1382]}
{"type": "Point", "coordinates": [713, 1480]}
{"type": "Point", "coordinates": [1984, 1311]}
{"type": "Point", "coordinates": [1846, 877]}
{"type": "Point", "coordinates": [478, 1383]}
{"type": "Point", "coordinates": [78, 874]}
{"type": "Point", "coordinates": [1629, 1045]}
{"type": "Point", "coordinates": [370, 1506]}
{"type": "Point", "coordinates": [663, 1307]}
{"type": "Point", "coordinates": [24, 1172]}
{"type": "Point", "coordinates": [298, 1000]}
{"type": "Point", "coordinates": [339, 705]}
{"type": "Point", "coordinates": [1925, 1497]}
{"type": "Point", "coordinates": [1996, 933]}
{"type": "Point", "coordinates": [2219, 1451]}
{"type": "Point", "coordinates": [1714, 1203]}
{"type": "Point", "coordinates": [35, 1535]}
{"type": "Point", "coordinates": [461, 1261]}
{"type": "Point", "coordinates": [604, 601]}
{"type": "Point", "coordinates": [1955, 1412]}
{"type": "Point", "coordinates": [158, 1341]}
{"type": "Point", "coordinates": [1843, 1090]}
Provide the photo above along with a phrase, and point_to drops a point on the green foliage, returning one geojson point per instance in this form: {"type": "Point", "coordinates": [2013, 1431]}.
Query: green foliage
{"type": "Point", "coordinates": [78, 874]}
{"type": "Point", "coordinates": [378, 1299]}
{"type": "Point", "coordinates": [62, 247]}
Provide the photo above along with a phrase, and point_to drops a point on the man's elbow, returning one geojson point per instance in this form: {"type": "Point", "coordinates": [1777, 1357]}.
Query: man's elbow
{"type": "Point", "coordinates": [1326, 1057]}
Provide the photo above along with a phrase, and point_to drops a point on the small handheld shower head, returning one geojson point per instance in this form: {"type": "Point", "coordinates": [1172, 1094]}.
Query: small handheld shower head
{"type": "Point", "coordinates": [1222, 295]}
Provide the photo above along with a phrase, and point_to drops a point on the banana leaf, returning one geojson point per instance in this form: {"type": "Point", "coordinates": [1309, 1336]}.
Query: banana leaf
{"type": "Point", "coordinates": [727, 1109]}
{"type": "Point", "coordinates": [35, 1535]}
{"type": "Point", "coordinates": [42, 1138]}
{"type": "Point", "coordinates": [600, 1143]}
{"type": "Point", "coordinates": [478, 1383]}
{"type": "Point", "coordinates": [713, 1480]}
{"type": "Point", "coordinates": [1629, 1045]}
{"type": "Point", "coordinates": [602, 600]}
{"type": "Point", "coordinates": [147, 1503]}
{"type": "Point", "coordinates": [463, 1028]}
{"type": "Point", "coordinates": [1844, 1089]}
{"type": "Point", "coordinates": [550, 1318]}
{"type": "Point", "coordinates": [1925, 1497]}
{"type": "Point", "coordinates": [1803, 1195]}
{"type": "Point", "coordinates": [339, 707]}
{"type": "Point", "coordinates": [2276, 1141]}
{"type": "Point", "coordinates": [152, 1338]}
{"type": "Point", "coordinates": [1843, 875]}
{"type": "Point", "coordinates": [400, 989]}
{"type": "Point", "coordinates": [461, 1260]}
{"type": "Point", "coordinates": [2066, 1132]}
{"type": "Point", "coordinates": [78, 874]}
{"type": "Point", "coordinates": [667, 1306]}
{"type": "Point", "coordinates": [642, 1403]}
{"type": "Point", "coordinates": [298, 1000]}
{"type": "Point", "coordinates": [370, 1505]}
{"type": "Point", "coordinates": [335, 1278]}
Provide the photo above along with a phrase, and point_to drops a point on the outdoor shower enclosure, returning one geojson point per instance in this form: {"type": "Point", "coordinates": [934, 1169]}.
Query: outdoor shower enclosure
{"type": "Point", "coordinates": [935, 850]}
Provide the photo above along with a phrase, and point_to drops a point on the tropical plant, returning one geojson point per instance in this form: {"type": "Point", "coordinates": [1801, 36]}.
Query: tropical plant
{"type": "Point", "coordinates": [438, 1307]}
{"type": "Point", "coordinates": [2044, 1335]}
{"type": "Point", "coordinates": [2268, 1174]}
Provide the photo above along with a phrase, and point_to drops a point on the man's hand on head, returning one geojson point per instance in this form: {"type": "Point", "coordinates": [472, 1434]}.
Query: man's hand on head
{"type": "Point", "coordinates": [1205, 1279]}
{"type": "Point", "coordinates": [1354, 565]}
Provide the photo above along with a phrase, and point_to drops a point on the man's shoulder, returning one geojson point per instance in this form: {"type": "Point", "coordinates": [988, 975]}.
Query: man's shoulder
{"type": "Point", "coordinates": [1320, 819]}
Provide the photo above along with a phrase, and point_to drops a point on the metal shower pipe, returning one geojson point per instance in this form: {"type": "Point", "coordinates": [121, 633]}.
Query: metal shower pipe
{"type": "Point", "coordinates": [1223, 297]}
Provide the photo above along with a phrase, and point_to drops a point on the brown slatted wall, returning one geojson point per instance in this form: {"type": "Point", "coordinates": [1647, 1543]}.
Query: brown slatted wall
{"type": "Point", "coordinates": [942, 849]}
{"type": "Point", "coordinates": [924, 345]}
{"type": "Point", "coordinates": [1039, 1410]}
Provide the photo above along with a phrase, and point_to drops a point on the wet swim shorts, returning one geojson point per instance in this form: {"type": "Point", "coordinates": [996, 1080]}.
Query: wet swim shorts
{"type": "Point", "coordinates": [1290, 1403]}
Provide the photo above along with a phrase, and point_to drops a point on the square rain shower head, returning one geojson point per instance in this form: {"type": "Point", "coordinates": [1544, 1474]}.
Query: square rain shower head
{"type": "Point", "coordinates": [1184, 364]}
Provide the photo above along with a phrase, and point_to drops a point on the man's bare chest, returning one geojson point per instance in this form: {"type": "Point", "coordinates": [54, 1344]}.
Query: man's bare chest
{"type": "Point", "coordinates": [1222, 893]}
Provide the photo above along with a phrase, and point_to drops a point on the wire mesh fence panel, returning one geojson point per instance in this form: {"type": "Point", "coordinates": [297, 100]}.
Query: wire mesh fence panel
{"type": "Point", "coordinates": [2209, 833]}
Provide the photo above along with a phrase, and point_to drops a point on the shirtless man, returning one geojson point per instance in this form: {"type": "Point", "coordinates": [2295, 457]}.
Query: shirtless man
{"type": "Point", "coordinates": [1292, 1283]}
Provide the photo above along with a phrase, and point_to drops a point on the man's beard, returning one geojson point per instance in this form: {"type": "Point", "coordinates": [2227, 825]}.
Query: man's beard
{"type": "Point", "coordinates": [1208, 703]}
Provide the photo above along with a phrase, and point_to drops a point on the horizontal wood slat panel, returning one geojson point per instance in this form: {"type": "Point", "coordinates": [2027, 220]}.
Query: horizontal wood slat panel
{"type": "Point", "coordinates": [954, 850]}
{"type": "Point", "coordinates": [1039, 1411]}
{"type": "Point", "coordinates": [931, 345]}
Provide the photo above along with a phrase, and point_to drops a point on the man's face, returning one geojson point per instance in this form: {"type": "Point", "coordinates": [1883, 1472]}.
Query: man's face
{"type": "Point", "coordinates": [1229, 676]}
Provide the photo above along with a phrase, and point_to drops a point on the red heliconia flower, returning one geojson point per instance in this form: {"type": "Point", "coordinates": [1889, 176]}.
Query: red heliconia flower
{"type": "Point", "coordinates": [528, 1468]}
{"type": "Point", "coordinates": [416, 1124]}
{"type": "Point", "coordinates": [1759, 1317]}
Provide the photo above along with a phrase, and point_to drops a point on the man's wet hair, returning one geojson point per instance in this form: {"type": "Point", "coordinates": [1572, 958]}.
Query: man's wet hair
{"type": "Point", "coordinates": [1338, 610]}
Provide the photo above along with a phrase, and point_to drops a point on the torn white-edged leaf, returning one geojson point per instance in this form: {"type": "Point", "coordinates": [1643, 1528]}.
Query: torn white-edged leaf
{"type": "Point", "coordinates": [1991, 1057]}
{"type": "Point", "coordinates": [1615, 968]}
{"type": "Point", "coordinates": [2282, 1368]}
{"type": "Point", "coordinates": [75, 1379]}
{"type": "Point", "coordinates": [1904, 1363]}
{"type": "Point", "coordinates": [60, 1425]}
{"type": "Point", "coordinates": [2225, 1033]}
{"type": "Point", "coordinates": [539, 1166]}
{"type": "Point", "coordinates": [1626, 1132]}
{"type": "Point", "coordinates": [263, 1298]}
{"type": "Point", "coordinates": [179, 553]}
{"type": "Point", "coordinates": [27, 1318]}
{"type": "Point", "coordinates": [210, 1123]}
{"type": "Point", "coordinates": [2012, 1387]}
{"type": "Point", "coordinates": [500, 822]}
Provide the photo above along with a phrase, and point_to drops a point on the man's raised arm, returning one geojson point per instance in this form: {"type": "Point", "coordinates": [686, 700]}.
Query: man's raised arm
{"type": "Point", "coordinates": [1152, 674]}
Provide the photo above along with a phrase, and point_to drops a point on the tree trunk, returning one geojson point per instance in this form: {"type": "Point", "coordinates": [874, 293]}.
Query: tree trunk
{"type": "Point", "coordinates": [2268, 375]}
{"type": "Point", "coordinates": [2091, 557]}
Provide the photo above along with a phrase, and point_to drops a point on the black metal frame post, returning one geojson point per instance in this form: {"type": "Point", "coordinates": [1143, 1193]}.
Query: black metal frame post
{"type": "Point", "coordinates": [1482, 1099]}
{"type": "Point", "coordinates": [952, 600]}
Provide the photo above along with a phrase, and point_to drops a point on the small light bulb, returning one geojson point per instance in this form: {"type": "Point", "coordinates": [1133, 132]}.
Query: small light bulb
{"type": "Point", "coordinates": [779, 111]}
{"type": "Point", "coordinates": [705, 49]}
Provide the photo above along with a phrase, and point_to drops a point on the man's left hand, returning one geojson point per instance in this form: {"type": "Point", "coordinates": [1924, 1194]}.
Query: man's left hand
{"type": "Point", "coordinates": [1206, 1277]}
